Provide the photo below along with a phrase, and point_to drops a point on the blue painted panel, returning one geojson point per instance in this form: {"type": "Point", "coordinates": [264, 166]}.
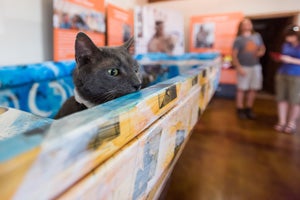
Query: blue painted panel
{"type": "Point", "coordinates": [186, 56]}
{"type": "Point", "coordinates": [42, 88]}
{"type": "Point", "coordinates": [11, 76]}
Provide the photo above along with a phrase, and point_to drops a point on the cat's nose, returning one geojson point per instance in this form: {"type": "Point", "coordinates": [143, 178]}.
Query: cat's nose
{"type": "Point", "coordinates": [137, 86]}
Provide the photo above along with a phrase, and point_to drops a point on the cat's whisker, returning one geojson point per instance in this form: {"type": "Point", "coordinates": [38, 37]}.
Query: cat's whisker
{"type": "Point", "coordinates": [109, 95]}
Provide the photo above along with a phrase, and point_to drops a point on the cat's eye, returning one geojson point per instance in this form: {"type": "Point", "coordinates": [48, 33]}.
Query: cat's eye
{"type": "Point", "coordinates": [113, 72]}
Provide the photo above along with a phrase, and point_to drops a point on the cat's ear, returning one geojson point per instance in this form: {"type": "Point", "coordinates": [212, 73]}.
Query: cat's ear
{"type": "Point", "coordinates": [129, 44]}
{"type": "Point", "coordinates": [84, 49]}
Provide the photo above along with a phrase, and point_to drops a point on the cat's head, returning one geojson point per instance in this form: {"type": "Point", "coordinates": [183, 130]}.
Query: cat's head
{"type": "Point", "coordinates": [104, 73]}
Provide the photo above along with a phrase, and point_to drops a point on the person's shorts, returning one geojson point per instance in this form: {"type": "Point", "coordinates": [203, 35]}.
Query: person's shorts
{"type": "Point", "coordinates": [252, 80]}
{"type": "Point", "coordinates": [288, 88]}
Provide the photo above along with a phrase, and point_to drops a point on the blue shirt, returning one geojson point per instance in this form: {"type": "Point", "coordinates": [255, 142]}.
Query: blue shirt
{"type": "Point", "coordinates": [288, 68]}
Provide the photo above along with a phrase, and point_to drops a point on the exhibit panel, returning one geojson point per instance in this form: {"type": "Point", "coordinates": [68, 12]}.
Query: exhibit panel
{"type": "Point", "coordinates": [39, 88]}
{"type": "Point", "coordinates": [155, 31]}
{"type": "Point", "coordinates": [72, 16]}
{"type": "Point", "coordinates": [119, 25]}
{"type": "Point", "coordinates": [59, 153]}
{"type": "Point", "coordinates": [133, 172]}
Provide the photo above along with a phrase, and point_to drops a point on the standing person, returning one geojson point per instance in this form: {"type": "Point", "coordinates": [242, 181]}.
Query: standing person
{"type": "Point", "coordinates": [288, 82]}
{"type": "Point", "coordinates": [248, 47]}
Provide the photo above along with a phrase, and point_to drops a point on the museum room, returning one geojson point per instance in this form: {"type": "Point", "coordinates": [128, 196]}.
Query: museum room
{"type": "Point", "coordinates": [149, 99]}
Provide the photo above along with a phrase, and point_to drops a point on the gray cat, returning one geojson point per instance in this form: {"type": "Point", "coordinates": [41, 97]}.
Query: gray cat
{"type": "Point", "coordinates": [101, 74]}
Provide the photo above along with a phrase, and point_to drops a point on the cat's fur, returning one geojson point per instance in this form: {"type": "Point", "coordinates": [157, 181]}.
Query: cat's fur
{"type": "Point", "coordinates": [93, 79]}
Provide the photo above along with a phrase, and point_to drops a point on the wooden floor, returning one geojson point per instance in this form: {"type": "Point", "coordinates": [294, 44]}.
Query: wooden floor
{"type": "Point", "coordinates": [231, 159]}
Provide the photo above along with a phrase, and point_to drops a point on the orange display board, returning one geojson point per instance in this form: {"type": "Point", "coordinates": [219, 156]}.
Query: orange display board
{"type": "Point", "coordinates": [72, 16]}
{"type": "Point", "coordinates": [228, 76]}
{"type": "Point", "coordinates": [119, 25]}
{"type": "Point", "coordinates": [214, 32]}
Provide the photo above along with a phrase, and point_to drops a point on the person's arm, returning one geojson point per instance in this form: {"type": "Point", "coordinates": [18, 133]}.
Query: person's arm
{"type": "Point", "coordinates": [261, 51]}
{"type": "Point", "coordinates": [289, 59]}
{"type": "Point", "coordinates": [236, 62]}
{"type": "Point", "coordinates": [285, 55]}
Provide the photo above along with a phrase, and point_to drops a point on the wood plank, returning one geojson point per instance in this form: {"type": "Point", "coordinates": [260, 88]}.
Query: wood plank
{"type": "Point", "coordinates": [228, 158]}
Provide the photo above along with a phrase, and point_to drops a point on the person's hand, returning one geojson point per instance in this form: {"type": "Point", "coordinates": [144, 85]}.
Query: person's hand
{"type": "Point", "coordinates": [286, 59]}
{"type": "Point", "coordinates": [241, 71]}
{"type": "Point", "coordinates": [260, 53]}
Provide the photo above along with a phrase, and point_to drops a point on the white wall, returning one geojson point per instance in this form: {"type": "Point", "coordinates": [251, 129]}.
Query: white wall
{"type": "Point", "coordinates": [248, 7]}
{"type": "Point", "coordinates": [26, 25]}
{"type": "Point", "coordinates": [26, 30]}
{"type": "Point", "coordinates": [24, 33]}
{"type": "Point", "coordinates": [127, 4]}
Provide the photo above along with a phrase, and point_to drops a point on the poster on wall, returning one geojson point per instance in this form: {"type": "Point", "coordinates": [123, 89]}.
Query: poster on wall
{"type": "Point", "coordinates": [215, 32]}
{"type": "Point", "coordinates": [119, 25]}
{"type": "Point", "coordinates": [158, 30]}
{"type": "Point", "coordinates": [72, 16]}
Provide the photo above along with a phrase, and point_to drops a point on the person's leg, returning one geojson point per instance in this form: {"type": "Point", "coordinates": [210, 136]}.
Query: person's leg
{"type": "Point", "coordinates": [250, 98]}
{"type": "Point", "coordinates": [249, 104]}
{"type": "Point", "coordinates": [255, 85]}
{"type": "Point", "coordinates": [294, 101]}
{"type": "Point", "coordinates": [242, 87]}
{"type": "Point", "coordinates": [292, 120]}
{"type": "Point", "coordinates": [282, 109]}
{"type": "Point", "coordinates": [282, 112]}
{"type": "Point", "coordinates": [294, 113]}
{"type": "Point", "coordinates": [240, 95]}
{"type": "Point", "coordinates": [282, 103]}
{"type": "Point", "coordinates": [293, 94]}
{"type": "Point", "coordinates": [240, 99]}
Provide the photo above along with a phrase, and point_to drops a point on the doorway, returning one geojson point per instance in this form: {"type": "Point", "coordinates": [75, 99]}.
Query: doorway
{"type": "Point", "coordinates": [271, 30]}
